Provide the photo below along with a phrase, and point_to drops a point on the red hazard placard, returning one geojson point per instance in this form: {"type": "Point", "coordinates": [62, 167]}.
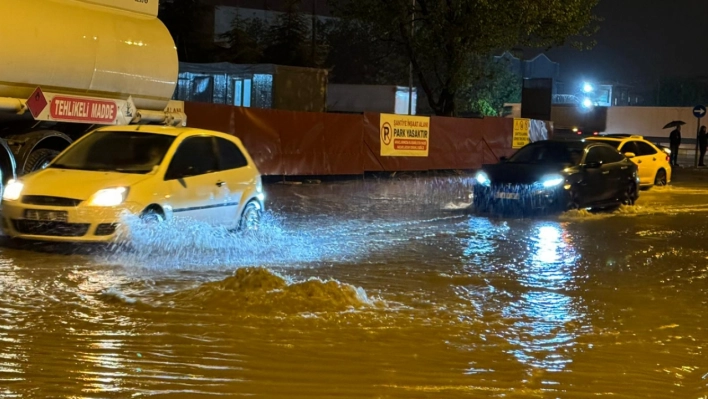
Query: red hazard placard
{"type": "Point", "coordinates": [83, 110]}
{"type": "Point", "coordinates": [36, 103]}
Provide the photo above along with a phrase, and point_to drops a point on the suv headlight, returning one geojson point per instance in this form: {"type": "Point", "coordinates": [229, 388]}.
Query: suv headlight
{"type": "Point", "coordinates": [13, 190]}
{"type": "Point", "coordinates": [482, 179]}
{"type": "Point", "coordinates": [552, 181]}
{"type": "Point", "coordinates": [109, 197]}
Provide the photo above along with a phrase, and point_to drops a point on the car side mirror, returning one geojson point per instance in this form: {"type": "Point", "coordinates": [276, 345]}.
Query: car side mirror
{"type": "Point", "coordinates": [171, 176]}
{"type": "Point", "coordinates": [593, 165]}
{"type": "Point", "coordinates": [630, 154]}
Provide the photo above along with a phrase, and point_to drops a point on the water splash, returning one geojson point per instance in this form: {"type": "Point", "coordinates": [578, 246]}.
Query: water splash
{"type": "Point", "coordinates": [186, 244]}
{"type": "Point", "coordinates": [257, 290]}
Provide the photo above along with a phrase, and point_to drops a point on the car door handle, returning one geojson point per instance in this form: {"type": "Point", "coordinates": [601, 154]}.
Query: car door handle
{"type": "Point", "coordinates": [221, 183]}
{"type": "Point", "coordinates": [607, 172]}
{"type": "Point", "coordinates": [653, 159]}
{"type": "Point", "coordinates": [624, 167]}
{"type": "Point", "coordinates": [639, 161]}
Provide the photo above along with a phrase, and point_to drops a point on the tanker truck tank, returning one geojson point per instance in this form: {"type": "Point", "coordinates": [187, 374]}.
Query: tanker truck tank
{"type": "Point", "coordinates": [98, 51]}
{"type": "Point", "coordinates": [86, 48]}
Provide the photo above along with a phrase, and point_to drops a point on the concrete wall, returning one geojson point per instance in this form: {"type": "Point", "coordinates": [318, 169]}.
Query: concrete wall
{"type": "Point", "coordinates": [649, 121]}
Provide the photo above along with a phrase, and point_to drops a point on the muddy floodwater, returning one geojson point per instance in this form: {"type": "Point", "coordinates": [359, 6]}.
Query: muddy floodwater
{"type": "Point", "coordinates": [372, 289]}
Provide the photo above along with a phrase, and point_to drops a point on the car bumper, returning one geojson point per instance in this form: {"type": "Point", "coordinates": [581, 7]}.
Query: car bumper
{"type": "Point", "coordinates": [63, 224]}
{"type": "Point", "coordinates": [520, 197]}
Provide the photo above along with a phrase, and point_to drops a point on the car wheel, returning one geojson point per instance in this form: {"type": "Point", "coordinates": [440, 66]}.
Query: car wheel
{"type": "Point", "coordinates": [660, 179]}
{"type": "Point", "coordinates": [39, 159]}
{"type": "Point", "coordinates": [480, 205]}
{"type": "Point", "coordinates": [151, 216]}
{"type": "Point", "coordinates": [630, 195]}
{"type": "Point", "coordinates": [572, 203]}
{"type": "Point", "coordinates": [251, 217]}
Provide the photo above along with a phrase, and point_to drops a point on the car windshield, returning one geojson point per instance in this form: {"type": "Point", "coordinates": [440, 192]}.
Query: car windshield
{"type": "Point", "coordinates": [613, 143]}
{"type": "Point", "coordinates": [123, 152]}
{"type": "Point", "coordinates": [548, 153]}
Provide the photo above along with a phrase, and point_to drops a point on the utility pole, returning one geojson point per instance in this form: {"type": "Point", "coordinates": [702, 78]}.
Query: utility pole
{"type": "Point", "coordinates": [314, 31]}
{"type": "Point", "coordinates": [410, 64]}
{"type": "Point", "coordinates": [699, 111]}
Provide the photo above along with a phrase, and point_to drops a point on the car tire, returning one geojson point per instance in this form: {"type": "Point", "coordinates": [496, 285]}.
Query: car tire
{"type": "Point", "coordinates": [250, 217]}
{"type": "Point", "coordinates": [151, 215]}
{"type": "Point", "coordinates": [39, 159]}
{"type": "Point", "coordinates": [572, 203]}
{"type": "Point", "coordinates": [660, 179]}
{"type": "Point", "coordinates": [480, 206]}
{"type": "Point", "coordinates": [630, 196]}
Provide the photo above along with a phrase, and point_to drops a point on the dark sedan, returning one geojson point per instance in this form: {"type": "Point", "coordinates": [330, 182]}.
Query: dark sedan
{"type": "Point", "coordinates": [558, 176]}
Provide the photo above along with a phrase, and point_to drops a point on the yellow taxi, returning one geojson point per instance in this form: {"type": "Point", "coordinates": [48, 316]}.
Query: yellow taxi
{"type": "Point", "coordinates": [154, 172]}
{"type": "Point", "coordinates": [654, 167]}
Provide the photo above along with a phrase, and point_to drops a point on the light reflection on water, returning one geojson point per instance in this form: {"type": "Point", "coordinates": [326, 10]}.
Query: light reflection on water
{"type": "Point", "coordinates": [105, 355]}
{"type": "Point", "coordinates": [538, 307]}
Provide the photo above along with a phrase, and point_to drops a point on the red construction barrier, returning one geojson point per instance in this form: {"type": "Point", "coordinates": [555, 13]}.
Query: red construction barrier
{"type": "Point", "coordinates": [310, 143]}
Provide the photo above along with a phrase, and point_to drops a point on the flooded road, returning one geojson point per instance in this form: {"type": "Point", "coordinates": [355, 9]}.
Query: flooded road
{"type": "Point", "coordinates": [373, 289]}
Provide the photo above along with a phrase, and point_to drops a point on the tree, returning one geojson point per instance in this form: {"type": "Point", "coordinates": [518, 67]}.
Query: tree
{"type": "Point", "coordinates": [355, 56]}
{"type": "Point", "coordinates": [187, 22]}
{"type": "Point", "coordinates": [289, 39]}
{"type": "Point", "coordinates": [443, 38]}
{"type": "Point", "coordinates": [498, 86]}
{"type": "Point", "coordinates": [246, 41]}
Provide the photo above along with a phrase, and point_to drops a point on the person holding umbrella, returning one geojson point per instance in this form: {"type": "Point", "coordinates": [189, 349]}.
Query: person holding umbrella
{"type": "Point", "coordinates": [675, 140]}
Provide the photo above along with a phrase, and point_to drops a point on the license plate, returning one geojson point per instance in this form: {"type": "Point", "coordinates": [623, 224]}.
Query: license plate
{"type": "Point", "coordinates": [513, 196]}
{"type": "Point", "coordinates": [46, 216]}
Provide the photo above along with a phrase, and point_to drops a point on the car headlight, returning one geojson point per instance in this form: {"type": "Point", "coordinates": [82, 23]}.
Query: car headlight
{"type": "Point", "coordinates": [13, 190]}
{"type": "Point", "coordinates": [109, 197]}
{"type": "Point", "coordinates": [482, 179]}
{"type": "Point", "coordinates": [552, 181]}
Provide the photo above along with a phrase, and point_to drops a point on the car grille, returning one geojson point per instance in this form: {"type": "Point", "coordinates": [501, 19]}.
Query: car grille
{"type": "Point", "coordinates": [105, 229]}
{"type": "Point", "coordinates": [54, 229]}
{"type": "Point", "coordinates": [49, 201]}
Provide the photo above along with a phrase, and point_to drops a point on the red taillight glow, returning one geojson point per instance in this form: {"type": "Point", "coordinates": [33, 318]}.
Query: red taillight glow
{"type": "Point", "coordinates": [668, 158]}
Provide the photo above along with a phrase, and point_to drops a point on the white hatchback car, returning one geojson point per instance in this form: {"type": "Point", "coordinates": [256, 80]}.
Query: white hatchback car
{"type": "Point", "coordinates": [153, 171]}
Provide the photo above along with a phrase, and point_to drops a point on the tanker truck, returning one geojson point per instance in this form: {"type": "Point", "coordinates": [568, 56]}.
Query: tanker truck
{"type": "Point", "coordinates": [69, 66]}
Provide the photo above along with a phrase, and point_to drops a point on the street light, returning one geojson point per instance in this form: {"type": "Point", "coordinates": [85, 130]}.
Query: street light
{"type": "Point", "coordinates": [587, 88]}
{"type": "Point", "coordinates": [587, 103]}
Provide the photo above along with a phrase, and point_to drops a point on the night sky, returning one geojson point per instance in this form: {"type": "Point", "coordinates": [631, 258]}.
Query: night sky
{"type": "Point", "coordinates": [641, 40]}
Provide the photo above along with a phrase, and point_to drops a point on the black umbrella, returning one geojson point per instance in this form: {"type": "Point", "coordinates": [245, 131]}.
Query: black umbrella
{"type": "Point", "coordinates": [674, 124]}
